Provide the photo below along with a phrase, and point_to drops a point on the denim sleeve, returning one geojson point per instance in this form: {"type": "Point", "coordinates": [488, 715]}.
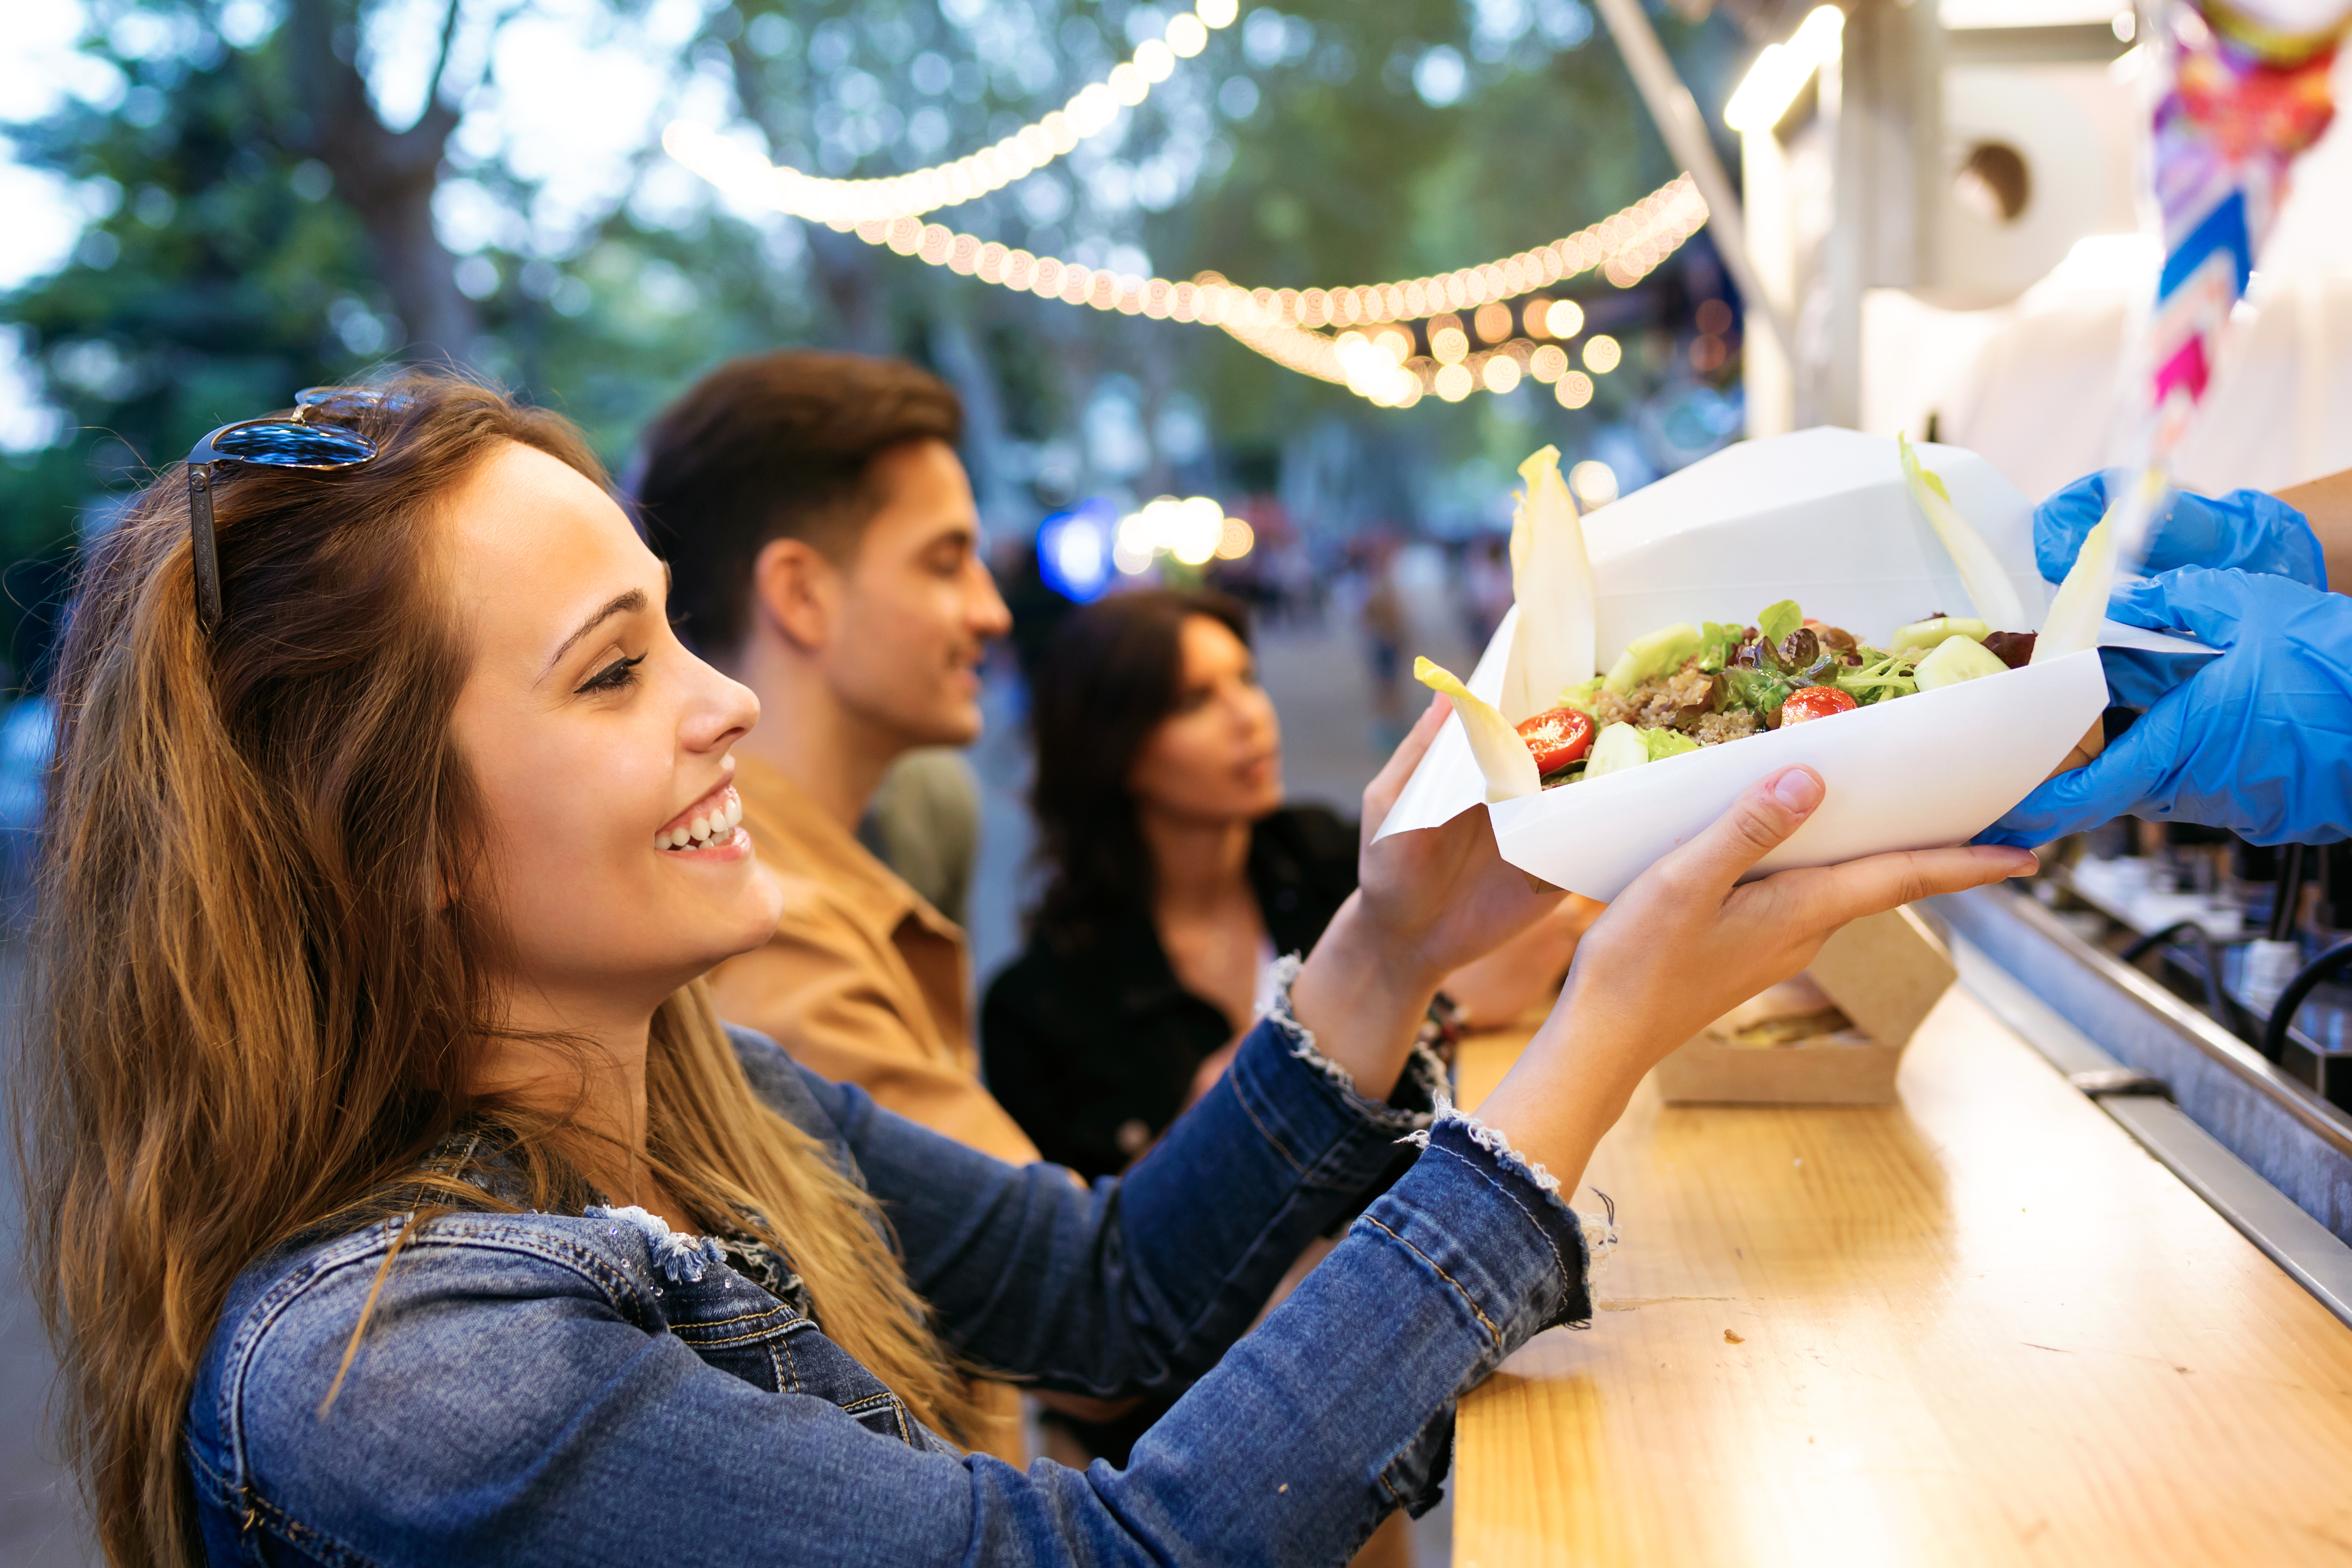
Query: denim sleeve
{"type": "Point", "coordinates": [1138, 1284]}
{"type": "Point", "coordinates": [509, 1411]}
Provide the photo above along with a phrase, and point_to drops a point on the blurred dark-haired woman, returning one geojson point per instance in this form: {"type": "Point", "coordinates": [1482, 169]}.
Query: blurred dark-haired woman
{"type": "Point", "coordinates": [1175, 876]}
{"type": "Point", "coordinates": [1176, 879]}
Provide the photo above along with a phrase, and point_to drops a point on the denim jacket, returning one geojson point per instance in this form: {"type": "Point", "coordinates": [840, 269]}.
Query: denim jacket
{"type": "Point", "coordinates": [544, 1388]}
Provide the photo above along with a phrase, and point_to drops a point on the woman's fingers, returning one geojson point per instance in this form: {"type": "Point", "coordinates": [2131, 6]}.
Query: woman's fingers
{"type": "Point", "coordinates": [1759, 822]}
{"type": "Point", "coordinates": [1388, 783]}
{"type": "Point", "coordinates": [1825, 897]}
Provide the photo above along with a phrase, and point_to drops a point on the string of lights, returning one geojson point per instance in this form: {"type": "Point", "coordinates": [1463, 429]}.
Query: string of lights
{"type": "Point", "coordinates": [844, 202]}
{"type": "Point", "coordinates": [1375, 360]}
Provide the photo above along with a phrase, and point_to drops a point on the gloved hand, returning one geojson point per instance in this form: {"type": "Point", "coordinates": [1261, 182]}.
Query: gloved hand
{"type": "Point", "coordinates": [2245, 528]}
{"type": "Point", "coordinates": [2258, 740]}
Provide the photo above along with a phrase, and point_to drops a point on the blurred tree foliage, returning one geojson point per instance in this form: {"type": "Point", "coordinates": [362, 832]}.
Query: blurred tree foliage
{"type": "Point", "coordinates": [260, 224]}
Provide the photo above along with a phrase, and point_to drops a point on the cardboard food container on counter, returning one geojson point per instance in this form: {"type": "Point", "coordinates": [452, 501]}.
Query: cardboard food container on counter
{"type": "Point", "coordinates": [1841, 1025]}
{"type": "Point", "coordinates": [1822, 516]}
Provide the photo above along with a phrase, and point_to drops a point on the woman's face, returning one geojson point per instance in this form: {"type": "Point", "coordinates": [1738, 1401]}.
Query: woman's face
{"type": "Point", "coordinates": [1217, 757]}
{"type": "Point", "coordinates": [599, 745]}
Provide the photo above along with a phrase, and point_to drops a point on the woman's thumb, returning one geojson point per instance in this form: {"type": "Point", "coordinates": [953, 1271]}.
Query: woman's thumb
{"type": "Point", "coordinates": [1760, 821]}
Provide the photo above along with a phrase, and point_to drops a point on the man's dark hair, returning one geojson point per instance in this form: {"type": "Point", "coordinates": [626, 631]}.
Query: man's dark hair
{"type": "Point", "coordinates": [769, 447]}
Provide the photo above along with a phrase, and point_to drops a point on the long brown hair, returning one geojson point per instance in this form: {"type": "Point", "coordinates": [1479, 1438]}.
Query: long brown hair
{"type": "Point", "coordinates": [1110, 675]}
{"type": "Point", "coordinates": [248, 1019]}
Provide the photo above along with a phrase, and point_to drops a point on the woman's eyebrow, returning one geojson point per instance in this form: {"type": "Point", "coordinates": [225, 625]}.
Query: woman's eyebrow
{"type": "Point", "coordinates": [627, 604]}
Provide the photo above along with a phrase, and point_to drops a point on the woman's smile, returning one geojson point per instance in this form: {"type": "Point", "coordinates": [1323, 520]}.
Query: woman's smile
{"type": "Point", "coordinates": [707, 829]}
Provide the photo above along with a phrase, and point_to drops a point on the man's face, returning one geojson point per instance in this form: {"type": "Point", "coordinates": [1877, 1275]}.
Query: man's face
{"type": "Point", "coordinates": [918, 605]}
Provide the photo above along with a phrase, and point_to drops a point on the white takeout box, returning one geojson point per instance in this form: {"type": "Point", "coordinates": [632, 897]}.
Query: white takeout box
{"type": "Point", "coordinates": [1822, 516]}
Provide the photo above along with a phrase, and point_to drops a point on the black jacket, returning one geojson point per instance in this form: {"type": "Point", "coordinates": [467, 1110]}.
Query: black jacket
{"type": "Point", "coordinates": [1079, 1045]}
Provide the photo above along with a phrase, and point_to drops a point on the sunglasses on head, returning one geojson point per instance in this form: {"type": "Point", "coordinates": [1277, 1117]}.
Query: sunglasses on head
{"type": "Point", "coordinates": [310, 438]}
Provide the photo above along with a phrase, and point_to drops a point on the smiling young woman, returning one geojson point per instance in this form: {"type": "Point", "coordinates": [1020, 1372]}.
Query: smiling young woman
{"type": "Point", "coordinates": [401, 1200]}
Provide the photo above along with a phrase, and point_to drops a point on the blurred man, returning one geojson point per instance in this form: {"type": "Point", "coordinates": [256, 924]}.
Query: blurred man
{"type": "Point", "coordinates": [824, 548]}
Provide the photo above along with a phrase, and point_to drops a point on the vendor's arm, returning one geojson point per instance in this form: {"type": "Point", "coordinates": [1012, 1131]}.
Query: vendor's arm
{"type": "Point", "coordinates": [2304, 533]}
{"type": "Point", "coordinates": [2257, 740]}
{"type": "Point", "coordinates": [2327, 506]}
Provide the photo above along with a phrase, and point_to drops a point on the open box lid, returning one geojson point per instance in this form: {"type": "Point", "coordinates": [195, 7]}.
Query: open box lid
{"type": "Point", "coordinates": [1885, 972]}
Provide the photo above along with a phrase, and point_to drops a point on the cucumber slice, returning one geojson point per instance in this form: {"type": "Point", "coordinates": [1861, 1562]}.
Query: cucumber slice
{"type": "Point", "coordinates": [1958, 659]}
{"type": "Point", "coordinates": [1646, 658]}
{"type": "Point", "coordinates": [1614, 749]}
{"type": "Point", "coordinates": [1922, 635]}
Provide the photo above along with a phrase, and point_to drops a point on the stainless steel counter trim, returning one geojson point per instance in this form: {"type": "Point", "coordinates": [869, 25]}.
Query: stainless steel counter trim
{"type": "Point", "coordinates": [2210, 1038]}
{"type": "Point", "coordinates": [2294, 1140]}
{"type": "Point", "coordinates": [2306, 1249]}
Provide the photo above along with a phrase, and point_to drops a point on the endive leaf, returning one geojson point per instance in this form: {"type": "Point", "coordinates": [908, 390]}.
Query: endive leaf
{"type": "Point", "coordinates": [1502, 756]}
{"type": "Point", "coordinates": [1551, 577]}
{"type": "Point", "coordinates": [2081, 602]}
{"type": "Point", "coordinates": [1991, 593]}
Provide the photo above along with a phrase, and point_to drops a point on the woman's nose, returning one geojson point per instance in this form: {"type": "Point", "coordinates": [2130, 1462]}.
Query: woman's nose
{"type": "Point", "coordinates": [724, 713]}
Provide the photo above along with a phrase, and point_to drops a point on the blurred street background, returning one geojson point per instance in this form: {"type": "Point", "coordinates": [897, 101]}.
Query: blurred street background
{"type": "Point", "coordinates": [211, 204]}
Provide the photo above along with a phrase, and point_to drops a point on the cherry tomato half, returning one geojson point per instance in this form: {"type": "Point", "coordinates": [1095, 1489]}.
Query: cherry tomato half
{"type": "Point", "coordinates": [1558, 738]}
{"type": "Point", "coordinates": [1814, 701]}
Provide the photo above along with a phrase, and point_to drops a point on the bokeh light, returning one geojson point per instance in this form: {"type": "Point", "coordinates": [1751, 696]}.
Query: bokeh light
{"type": "Point", "coordinates": [1601, 354]}
{"type": "Point", "coordinates": [1594, 482]}
{"type": "Point", "coordinates": [1565, 319]}
{"type": "Point", "coordinates": [1574, 390]}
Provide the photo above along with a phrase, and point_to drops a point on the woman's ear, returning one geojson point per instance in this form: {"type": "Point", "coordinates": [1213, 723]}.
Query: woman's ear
{"type": "Point", "coordinates": [795, 589]}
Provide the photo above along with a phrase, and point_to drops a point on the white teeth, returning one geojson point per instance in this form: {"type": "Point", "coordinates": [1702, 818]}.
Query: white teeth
{"type": "Point", "coordinates": [661, 840]}
{"type": "Point", "coordinates": [734, 810]}
{"type": "Point", "coordinates": [677, 840]}
{"type": "Point", "coordinates": [700, 828]}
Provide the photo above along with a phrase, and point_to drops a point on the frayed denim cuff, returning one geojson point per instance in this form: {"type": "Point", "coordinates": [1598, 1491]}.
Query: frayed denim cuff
{"type": "Point", "coordinates": [1419, 1091]}
{"type": "Point", "coordinates": [1576, 1245]}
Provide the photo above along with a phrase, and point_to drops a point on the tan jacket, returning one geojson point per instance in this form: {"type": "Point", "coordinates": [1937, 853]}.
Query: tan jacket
{"type": "Point", "coordinates": [864, 982]}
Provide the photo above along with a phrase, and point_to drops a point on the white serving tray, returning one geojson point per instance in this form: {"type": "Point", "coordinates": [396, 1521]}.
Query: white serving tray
{"type": "Point", "coordinates": [1822, 516]}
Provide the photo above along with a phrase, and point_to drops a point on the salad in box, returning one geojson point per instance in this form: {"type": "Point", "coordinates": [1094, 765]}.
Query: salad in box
{"type": "Point", "coordinates": [1885, 625]}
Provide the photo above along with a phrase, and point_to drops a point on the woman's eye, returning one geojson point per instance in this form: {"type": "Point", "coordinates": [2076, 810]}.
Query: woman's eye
{"type": "Point", "coordinates": [612, 677]}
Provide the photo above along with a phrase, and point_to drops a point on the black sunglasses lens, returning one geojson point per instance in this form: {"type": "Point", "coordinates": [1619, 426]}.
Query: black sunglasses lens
{"type": "Point", "coordinates": [283, 444]}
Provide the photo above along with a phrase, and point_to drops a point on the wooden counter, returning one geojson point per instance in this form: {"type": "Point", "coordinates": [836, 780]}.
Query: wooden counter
{"type": "Point", "coordinates": [1980, 1327]}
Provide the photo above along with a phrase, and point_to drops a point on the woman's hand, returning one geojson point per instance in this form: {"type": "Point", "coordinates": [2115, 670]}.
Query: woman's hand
{"type": "Point", "coordinates": [1443, 896]}
{"type": "Point", "coordinates": [1684, 945]}
{"type": "Point", "coordinates": [1427, 903]}
{"type": "Point", "coordinates": [1508, 982]}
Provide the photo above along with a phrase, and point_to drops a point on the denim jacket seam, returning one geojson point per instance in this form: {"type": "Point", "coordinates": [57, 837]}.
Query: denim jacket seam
{"type": "Point", "coordinates": [791, 1317]}
{"type": "Point", "coordinates": [1277, 1144]}
{"type": "Point", "coordinates": [1560, 1264]}
{"type": "Point", "coordinates": [787, 1365]}
{"type": "Point", "coordinates": [1493, 1331]}
{"type": "Point", "coordinates": [358, 1251]}
{"type": "Point", "coordinates": [686, 1335]}
{"type": "Point", "coordinates": [305, 1538]}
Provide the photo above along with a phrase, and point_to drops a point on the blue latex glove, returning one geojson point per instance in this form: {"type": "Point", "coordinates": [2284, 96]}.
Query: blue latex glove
{"type": "Point", "coordinates": [2258, 740]}
{"type": "Point", "coordinates": [2245, 528]}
